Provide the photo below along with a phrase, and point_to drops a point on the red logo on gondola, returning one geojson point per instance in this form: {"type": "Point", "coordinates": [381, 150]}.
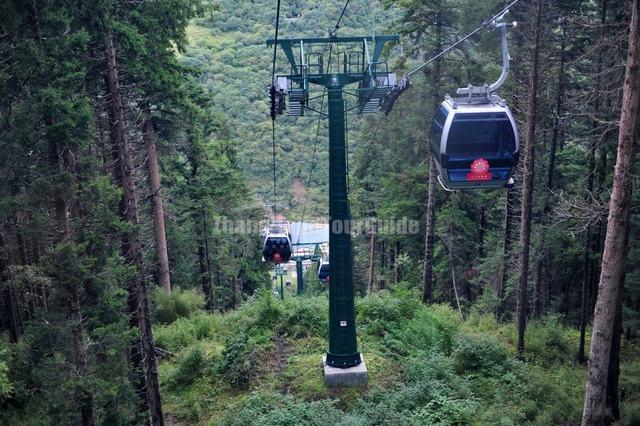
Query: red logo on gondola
{"type": "Point", "coordinates": [479, 170]}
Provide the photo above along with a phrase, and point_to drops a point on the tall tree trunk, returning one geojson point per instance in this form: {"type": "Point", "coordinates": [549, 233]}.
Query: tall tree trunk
{"type": "Point", "coordinates": [8, 294]}
{"type": "Point", "coordinates": [430, 231]}
{"type": "Point", "coordinates": [162, 258]}
{"type": "Point", "coordinates": [481, 231]}
{"type": "Point", "coordinates": [506, 243]}
{"type": "Point", "coordinates": [63, 236]}
{"type": "Point", "coordinates": [396, 266]}
{"type": "Point", "coordinates": [616, 240]}
{"type": "Point", "coordinates": [75, 312]}
{"type": "Point", "coordinates": [613, 374]}
{"type": "Point", "coordinates": [372, 260]}
{"type": "Point", "coordinates": [527, 185]}
{"type": "Point", "coordinates": [131, 245]}
{"type": "Point", "coordinates": [558, 110]}
{"type": "Point", "coordinates": [383, 265]}
{"type": "Point", "coordinates": [205, 273]}
{"type": "Point", "coordinates": [537, 289]}
{"type": "Point", "coordinates": [583, 301]}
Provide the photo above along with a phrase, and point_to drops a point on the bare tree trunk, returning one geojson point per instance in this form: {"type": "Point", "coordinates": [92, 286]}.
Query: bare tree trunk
{"type": "Point", "coordinates": [583, 299]}
{"type": "Point", "coordinates": [8, 294]}
{"type": "Point", "coordinates": [430, 231]}
{"type": "Point", "coordinates": [383, 265]}
{"type": "Point", "coordinates": [131, 246]}
{"type": "Point", "coordinates": [506, 243]}
{"type": "Point", "coordinates": [372, 260]}
{"type": "Point", "coordinates": [537, 290]}
{"type": "Point", "coordinates": [75, 312]}
{"type": "Point", "coordinates": [427, 267]}
{"type": "Point", "coordinates": [162, 257]}
{"type": "Point", "coordinates": [453, 272]}
{"type": "Point", "coordinates": [613, 375]}
{"type": "Point", "coordinates": [481, 232]}
{"type": "Point", "coordinates": [616, 240]}
{"type": "Point", "coordinates": [558, 111]}
{"type": "Point", "coordinates": [205, 274]}
{"type": "Point", "coordinates": [527, 185]}
{"type": "Point", "coordinates": [397, 273]}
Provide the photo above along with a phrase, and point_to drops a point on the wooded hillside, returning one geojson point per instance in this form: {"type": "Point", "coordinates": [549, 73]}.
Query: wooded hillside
{"type": "Point", "coordinates": [135, 168]}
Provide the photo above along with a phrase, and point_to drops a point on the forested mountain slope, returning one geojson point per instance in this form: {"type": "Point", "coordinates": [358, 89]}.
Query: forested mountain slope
{"type": "Point", "coordinates": [229, 48]}
{"type": "Point", "coordinates": [135, 161]}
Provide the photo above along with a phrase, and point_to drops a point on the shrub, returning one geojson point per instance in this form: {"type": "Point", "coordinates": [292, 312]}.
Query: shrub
{"type": "Point", "coordinates": [238, 360]}
{"type": "Point", "coordinates": [178, 304]}
{"type": "Point", "coordinates": [305, 317]}
{"type": "Point", "coordinates": [474, 353]}
{"type": "Point", "coordinates": [188, 368]}
{"type": "Point", "coordinates": [5, 385]}
{"type": "Point", "coordinates": [282, 410]}
{"type": "Point", "coordinates": [186, 331]}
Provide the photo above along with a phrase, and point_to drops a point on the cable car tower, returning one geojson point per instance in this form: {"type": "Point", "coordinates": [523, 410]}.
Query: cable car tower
{"type": "Point", "coordinates": [359, 63]}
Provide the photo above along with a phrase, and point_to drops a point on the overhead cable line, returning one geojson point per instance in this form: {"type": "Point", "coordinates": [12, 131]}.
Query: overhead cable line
{"type": "Point", "coordinates": [273, 110]}
{"type": "Point", "coordinates": [463, 39]}
{"type": "Point", "coordinates": [315, 144]}
{"type": "Point", "coordinates": [404, 83]}
{"type": "Point", "coordinates": [341, 15]}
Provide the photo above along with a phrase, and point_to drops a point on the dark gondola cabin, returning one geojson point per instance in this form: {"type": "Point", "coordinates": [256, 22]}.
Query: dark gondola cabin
{"type": "Point", "coordinates": [324, 271]}
{"type": "Point", "coordinates": [474, 142]}
{"type": "Point", "coordinates": [277, 245]}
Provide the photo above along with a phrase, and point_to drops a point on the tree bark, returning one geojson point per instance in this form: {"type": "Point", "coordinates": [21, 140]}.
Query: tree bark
{"type": "Point", "coordinates": [527, 185]}
{"type": "Point", "coordinates": [583, 300]}
{"type": "Point", "coordinates": [131, 245]}
{"type": "Point", "coordinates": [205, 275]}
{"type": "Point", "coordinates": [506, 245]}
{"type": "Point", "coordinates": [616, 240]}
{"type": "Point", "coordinates": [397, 273]}
{"type": "Point", "coordinates": [372, 260]}
{"type": "Point", "coordinates": [613, 374]}
{"type": "Point", "coordinates": [481, 232]}
{"type": "Point", "coordinates": [558, 111]}
{"type": "Point", "coordinates": [162, 258]}
{"type": "Point", "coordinates": [429, 238]}
{"type": "Point", "coordinates": [383, 265]}
{"type": "Point", "coordinates": [427, 267]}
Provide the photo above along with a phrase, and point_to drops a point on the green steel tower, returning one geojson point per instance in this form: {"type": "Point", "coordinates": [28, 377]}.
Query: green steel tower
{"type": "Point", "coordinates": [357, 62]}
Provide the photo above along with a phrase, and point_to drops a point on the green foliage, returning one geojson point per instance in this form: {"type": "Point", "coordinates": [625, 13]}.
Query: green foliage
{"type": "Point", "coordinates": [238, 360]}
{"type": "Point", "coordinates": [186, 331]}
{"type": "Point", "coordinates": [280, 410]}
{"type": "Point", "coordinates": [5, 384]}
{"type": "Point", "coordinates": [479, 354]}
{"type": "Point", "coordinates": [179, 304]}
{"type": "Point", "coordinates": [188, 368]}
{"type": "Point", "coordinates": [426, 366]}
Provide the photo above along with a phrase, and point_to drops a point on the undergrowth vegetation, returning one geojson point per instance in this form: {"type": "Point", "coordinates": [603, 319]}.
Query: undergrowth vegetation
{"type": "Point", "coordinates": [261, 364]}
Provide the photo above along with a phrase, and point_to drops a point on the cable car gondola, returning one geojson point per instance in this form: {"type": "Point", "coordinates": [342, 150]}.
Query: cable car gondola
{"type": "Point", "coordinates": [324, 271]}
{"type": "Point", "coordinates": [277, 244]}
{"type": "Point", "coordinates": [474, 142]}
{"type": "Point", "coordinates": [474, 139]}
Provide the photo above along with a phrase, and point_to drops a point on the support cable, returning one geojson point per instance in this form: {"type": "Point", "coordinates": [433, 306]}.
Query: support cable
{"type": "Point", "coordinates": [273, 111]}
{"type": "Point", "coordinates": [485, 24]}
{"type": "Point", "coordinates": [341, 15]}
{"type": "Point", "coordinates": [404, 83]}
{"type": "Point", "coordinates": [313, 156]}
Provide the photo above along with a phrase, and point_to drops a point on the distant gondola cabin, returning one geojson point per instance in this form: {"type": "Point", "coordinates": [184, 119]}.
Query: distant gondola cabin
{"type": "Point", "coordinates": [324, 271]}
{"type": "Point", "coordinates": [277, 245]}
